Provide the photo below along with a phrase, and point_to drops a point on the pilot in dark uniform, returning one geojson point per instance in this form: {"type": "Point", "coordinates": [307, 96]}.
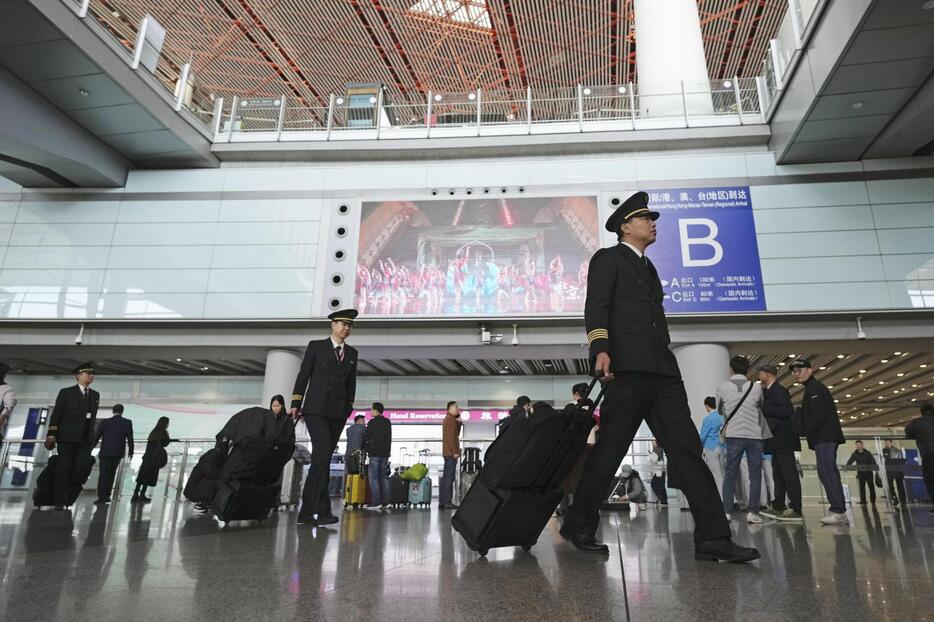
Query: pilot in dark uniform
{"type": "Point", "coordinates": [71, 428]}
{"type": "Point", "coordinates": [323, 395]}
{"type": "Point", "coordinates": [628, 336]}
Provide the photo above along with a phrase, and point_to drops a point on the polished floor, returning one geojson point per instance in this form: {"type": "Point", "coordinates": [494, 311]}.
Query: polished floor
{"type": "Point", "coordinates": [163, 562]}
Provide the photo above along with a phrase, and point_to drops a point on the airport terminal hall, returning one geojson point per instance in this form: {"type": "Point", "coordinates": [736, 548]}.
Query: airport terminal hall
{"type": "Point", "coordinates": [466, 310]}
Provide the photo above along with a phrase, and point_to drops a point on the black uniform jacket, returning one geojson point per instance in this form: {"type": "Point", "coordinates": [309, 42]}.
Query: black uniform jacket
{"type": "Point", "coordinates": [326, 386]}
{"type": "Point", "coordinates": [69, 422]}
{"type": "Point", "coordinates": [779, 414]}
{"type": "Point", "coordinates": [819, 414]}
{"type": "Point", "coordinates": [624, 315]}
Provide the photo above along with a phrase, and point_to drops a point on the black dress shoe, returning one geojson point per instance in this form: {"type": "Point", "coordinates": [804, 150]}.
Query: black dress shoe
{"type": "Point", "coordinates": [307, 520]}
{"type": "Point", "coordinates": [584, 542]}
{"type": "Point", "coordinates": [724, 550]}
{"type": "Point", "coordinates": [326, 519]}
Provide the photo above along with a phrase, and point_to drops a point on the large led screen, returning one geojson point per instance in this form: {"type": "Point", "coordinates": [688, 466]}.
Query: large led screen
{"type": "Point", "coordinates": [484, 256]}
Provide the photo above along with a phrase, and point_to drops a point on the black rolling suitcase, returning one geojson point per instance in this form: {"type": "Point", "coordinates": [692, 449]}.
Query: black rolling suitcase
{"type": "Point", "coordinates": [519, 487]}
{"type": "Point", "coordinates": [398, 491]}
{"type": "Point", "coordinates": [44, 493]}
{"type": "Point", "coordinates": [249, 484]}
{"type": "Point", "coordinates": [244, 500]}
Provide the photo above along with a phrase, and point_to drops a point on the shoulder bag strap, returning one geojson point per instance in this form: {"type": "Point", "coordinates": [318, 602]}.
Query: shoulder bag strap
{"type": "Point", "coordinates": [738, 404]}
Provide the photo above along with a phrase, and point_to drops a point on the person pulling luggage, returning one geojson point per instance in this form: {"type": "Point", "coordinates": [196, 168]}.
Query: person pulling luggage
{"type": "Point", "coordinates": [323, 395]}
{"type": "Point", "coordinates": [71, 426]}
{"type": "Point", "coordinates": [629, 342]}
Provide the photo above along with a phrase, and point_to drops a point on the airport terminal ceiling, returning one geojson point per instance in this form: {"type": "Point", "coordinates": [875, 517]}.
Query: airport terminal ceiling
{"type": "Point", "coordinates": [308, 50]}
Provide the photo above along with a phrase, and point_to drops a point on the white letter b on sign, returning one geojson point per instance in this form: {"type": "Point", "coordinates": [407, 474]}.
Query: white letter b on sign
{"type": "Point", "coordinates": [708, 240]}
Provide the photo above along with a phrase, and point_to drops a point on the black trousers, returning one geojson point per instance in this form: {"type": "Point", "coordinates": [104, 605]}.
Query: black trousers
{"type": "Point", "coordinates": [105, 481]}
{"type": "Point", "coordinates": [897, 485]}
{"type": "Point", "coordinates": [659, 488]}
{"type": "Point", "coordinates": [68, 457]}
{"type": "Point", "coordinates": [324, 433]}
{"type": "Point", "coordinates": [787, 482]}
{"type": "Point", "coordinates": [866, 479]}
{"type": "Point", "coordinates": [662, 402]}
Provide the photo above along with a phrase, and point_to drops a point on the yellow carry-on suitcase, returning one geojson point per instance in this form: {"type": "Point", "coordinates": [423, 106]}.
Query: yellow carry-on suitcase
{"type": "Point", "coordinates": [355, 490]}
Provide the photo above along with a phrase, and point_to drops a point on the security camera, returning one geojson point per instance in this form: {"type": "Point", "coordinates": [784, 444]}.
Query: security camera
{"type": "Point", "coordinates": [860, 333]}
{"type": "Point", "coordinates": [80, 338]}
{"type": "Point", "coordinates": [515, 335]}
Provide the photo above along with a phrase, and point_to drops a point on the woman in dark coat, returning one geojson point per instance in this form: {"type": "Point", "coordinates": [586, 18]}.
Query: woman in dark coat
{"type": "Point", "coordinates": [154, 459]}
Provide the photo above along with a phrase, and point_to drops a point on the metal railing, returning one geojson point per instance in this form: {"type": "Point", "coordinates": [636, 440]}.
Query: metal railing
{"type": "Point", "coordinates": [276, 118]}
{"type": "Point", "coordinates": [172, 75]}
{"type": "Point", "coordinates": [785, 49]}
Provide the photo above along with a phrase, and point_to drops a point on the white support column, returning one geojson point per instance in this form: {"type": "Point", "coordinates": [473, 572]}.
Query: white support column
{"type": "Point", "coordinates": [282, 368]}
{"type": "Point", "coordinates": [703, 367]}
{"type": "Point", "coordinates": [670, 50]}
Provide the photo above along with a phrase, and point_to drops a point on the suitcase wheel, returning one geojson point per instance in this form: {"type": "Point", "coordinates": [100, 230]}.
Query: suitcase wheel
{"type": "Point", "coordinates": [526, 547]}
{"type": "Point", "coordinates": [483, 551]}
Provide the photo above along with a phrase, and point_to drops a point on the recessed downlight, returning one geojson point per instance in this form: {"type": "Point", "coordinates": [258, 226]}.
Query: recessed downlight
{"type": "Point", "coordinates": [856, 105]}
{"type": "Point", "coordinates": [84, 92]}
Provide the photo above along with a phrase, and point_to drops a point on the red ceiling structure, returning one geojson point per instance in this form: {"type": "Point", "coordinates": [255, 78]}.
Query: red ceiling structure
{"type": "Point", "coordinates": [307, 49]}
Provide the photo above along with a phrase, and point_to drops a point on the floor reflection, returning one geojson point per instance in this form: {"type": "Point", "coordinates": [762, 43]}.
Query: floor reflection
{"type": "Point", "coordinates": [163, 561]}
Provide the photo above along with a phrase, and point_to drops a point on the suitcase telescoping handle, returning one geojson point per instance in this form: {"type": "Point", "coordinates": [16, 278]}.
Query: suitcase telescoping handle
{"type": "Point", "coordinates": [597, 376]}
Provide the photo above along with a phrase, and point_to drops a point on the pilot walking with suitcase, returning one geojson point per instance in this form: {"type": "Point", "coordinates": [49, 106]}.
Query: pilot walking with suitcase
{"type": "Point", "coordinates": [71, 429]}
{"type": "Point", "coordinates": [628, 335]}
{"type": "Point", "coordinates": [323, 395]}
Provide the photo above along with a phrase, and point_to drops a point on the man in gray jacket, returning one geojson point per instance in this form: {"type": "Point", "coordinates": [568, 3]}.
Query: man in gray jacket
{"type": "Point", "coordinates": [739, 400]}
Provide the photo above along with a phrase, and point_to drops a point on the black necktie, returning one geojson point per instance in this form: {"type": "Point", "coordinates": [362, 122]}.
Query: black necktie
{"type": "Point", "coordinates": [339, 353]}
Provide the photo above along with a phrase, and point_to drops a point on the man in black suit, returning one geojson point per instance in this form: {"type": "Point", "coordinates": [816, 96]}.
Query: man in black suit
{"type": "Point", "coordinates": [70, 428]}
{"type": "Point", "coordinates": [628, 336]}
{"type": "Point", "coordinates": [323, 395]}
{"type": "Point", "coordinates": [116, 438]}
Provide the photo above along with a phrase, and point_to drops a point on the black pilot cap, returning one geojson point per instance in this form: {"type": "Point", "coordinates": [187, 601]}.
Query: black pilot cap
{"type": "Point", "coordinates": [801, 363]}
{"type": "Point", "coordinates": [344, 315]}
{"type": "Point", "coordinates": [88, 367]}
{"type": "Point", "coordinates": [636, 205]}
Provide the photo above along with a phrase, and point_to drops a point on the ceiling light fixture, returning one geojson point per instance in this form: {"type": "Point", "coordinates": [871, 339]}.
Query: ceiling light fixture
{"type": "Point", "coordinates": [856, 105]}
{"type": "Point", "coordinates": [885, 360]}
{"type": "Point", "coordinates": [84, 92]}
{"type": "Point", "coordinates": [587, 91]}
{"type": "Point", "coordinates": [841, 356]}
{"type": "Point", "coordinates": [927, 6]}
{"type": "Point", "coordinates": [897, 353]}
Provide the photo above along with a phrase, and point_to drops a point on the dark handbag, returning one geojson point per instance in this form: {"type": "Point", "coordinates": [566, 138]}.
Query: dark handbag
{"type": "Point", "coordinates": [160, 457]}
{"type": "Point", "coordinates": [352, 462]}
{"type": "Point", "coordinates": [878, 481]}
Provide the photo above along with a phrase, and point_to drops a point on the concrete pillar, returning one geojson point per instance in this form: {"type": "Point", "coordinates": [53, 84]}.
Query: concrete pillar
{"type": "Point", "coordinates": [669, 52]}
{"type": "Point", "coordinates": [281, 370]}
{"type": "Point", "coordinates": [703, 367]}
